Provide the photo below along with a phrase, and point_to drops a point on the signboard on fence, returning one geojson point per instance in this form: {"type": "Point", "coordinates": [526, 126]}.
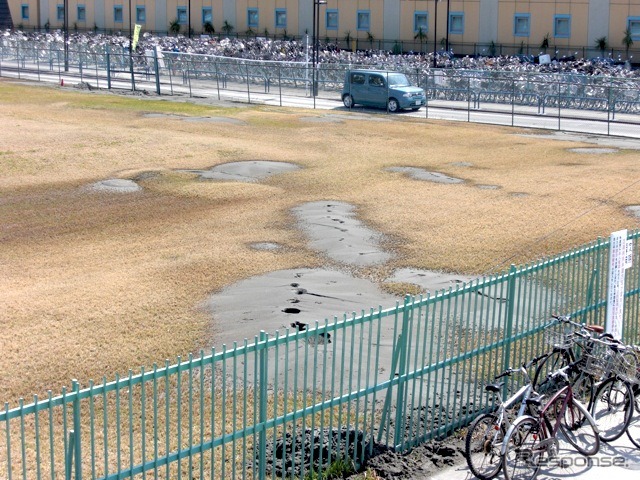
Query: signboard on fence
{"type": "Point", "coordinates": [620, 258]}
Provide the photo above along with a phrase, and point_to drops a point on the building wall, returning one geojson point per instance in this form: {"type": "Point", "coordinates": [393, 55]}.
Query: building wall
{"type": "Point", "coordinates": [485, 21]}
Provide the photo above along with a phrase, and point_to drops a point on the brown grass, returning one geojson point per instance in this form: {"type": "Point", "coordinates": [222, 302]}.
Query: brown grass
{"type": "Point", "coordinates": [97, 283]}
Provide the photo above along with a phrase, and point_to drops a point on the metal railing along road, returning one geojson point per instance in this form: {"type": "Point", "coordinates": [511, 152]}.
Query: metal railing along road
{"type": "Point", "coordinates": [600, 104]}
{"type": "Point", "coordinates": [286, 403]}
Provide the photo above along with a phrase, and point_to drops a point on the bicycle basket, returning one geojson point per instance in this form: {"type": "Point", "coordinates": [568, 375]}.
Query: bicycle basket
{"type": "Point", "coordinates": [558, 339]}
{"type": "Point", "coordinates": [598, 361]}
{"type": "Point", "coordinates": [625, 367]}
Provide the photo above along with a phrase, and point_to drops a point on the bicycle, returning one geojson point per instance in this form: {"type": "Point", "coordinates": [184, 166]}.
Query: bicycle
{"type": "Point", "coordinates": [483, 442]}
{"type": "Point", "coordinates": [601, 377]}
{"type": "Point", "coordinates": [567, 347]}
{"type": "Point", "coordinates": [533, 439]}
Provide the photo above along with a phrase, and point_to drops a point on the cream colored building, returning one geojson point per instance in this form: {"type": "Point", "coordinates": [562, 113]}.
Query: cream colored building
{"type": "Point", "coordinates": [468, 25]}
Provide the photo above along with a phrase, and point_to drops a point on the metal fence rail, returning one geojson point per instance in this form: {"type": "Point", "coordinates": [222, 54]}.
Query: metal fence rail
{"type": "Point", "coordinates": [285, 404]}
{"type": "Point", "coordinates": [599, 104]}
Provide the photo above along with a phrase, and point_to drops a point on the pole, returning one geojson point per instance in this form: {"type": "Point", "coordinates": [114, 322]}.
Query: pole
{"type": "Point", "coordinates": [448, 11]}
{"type": "Point", "coordinates": [189, 19]}
{"type": "Point", "coordinates": [313, 55]}
{"type": "Point", "coordinates": [66, 35]}
{"type": "Point", "coordinates": [435, 33]}
{"type": "Point", "coordinates": [130, 32]}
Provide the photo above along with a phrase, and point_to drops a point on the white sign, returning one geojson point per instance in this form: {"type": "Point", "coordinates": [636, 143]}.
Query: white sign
{"type": "Point", "coordinates": [618, 260]}
{"type": "Point", "coordinates": [628, 261]}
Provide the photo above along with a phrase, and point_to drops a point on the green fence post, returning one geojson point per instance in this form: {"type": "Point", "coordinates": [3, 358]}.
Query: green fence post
{"type": "Point", "coordinates": [108, 71]}
{"type": "Point", "coordinates": [69, 460]}
{"type": "Point", "coordinates": [508, 329]}
{"type": "Point", "coordinates": [156, 68]}
{"type": "Point", "coordinates": [76, 429]}
{"type": "Point", "coordinates": [263, 406]}
{"type": "Point", "coordinates": [398, 438]}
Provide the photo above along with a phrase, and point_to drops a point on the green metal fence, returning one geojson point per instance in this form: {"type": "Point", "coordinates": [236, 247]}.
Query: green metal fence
{"type": "Point", "coordinates": [288, 403]}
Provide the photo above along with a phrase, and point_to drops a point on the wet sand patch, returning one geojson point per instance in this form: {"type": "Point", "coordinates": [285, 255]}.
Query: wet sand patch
{"type": "Point", "coordinates": [227, 120]}
{"type": "Point", "coordinates": [283, 297]}
{"type": "Point", "coordinates": [594, 151]}
{"type": "Point", "coordinates": [250, 171]}
{"type": "Point", "coordinates": [323, 119]}
{"type": "Point", "coordinates": [266, 246]}
{"type": "Point", "coordinates": [634, 210]}
{"type": "Point", "coordinates": [428, 280]}
{"type": "Point", "coordinates": [118, 185]}
{"type": "Point", "coordinates": [488, 187]}
{"type": "Point", "coordinates": [333, 228]}
{"type": "Point", "coordinates": [422, 174]}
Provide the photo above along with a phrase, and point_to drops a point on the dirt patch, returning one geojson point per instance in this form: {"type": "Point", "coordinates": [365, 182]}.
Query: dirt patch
{"type": "Point", "coordinates": [116, 185]}
{"type": "Point", "coordinates": [245, 171]}
{"type": "Point", "coordinates": [422, 174]}
{"type": "Point", "coordinates": [333, 228]}
{"type": "Point", "coordinates": [224, 120]}
{"type": "Point", "coordinates": [594, 151]}
{"type": "Point", "coordinates": [634, 210]}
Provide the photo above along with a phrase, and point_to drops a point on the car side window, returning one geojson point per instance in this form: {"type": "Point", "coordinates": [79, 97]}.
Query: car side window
{"type": "Point", "coordinates": [357, 79]}
{"type": "Point", "coordinates": [376, 81]}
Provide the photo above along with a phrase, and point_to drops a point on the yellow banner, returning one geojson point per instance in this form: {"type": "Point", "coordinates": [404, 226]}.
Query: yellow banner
{"type": "Point", "coordinates": [136, 36]}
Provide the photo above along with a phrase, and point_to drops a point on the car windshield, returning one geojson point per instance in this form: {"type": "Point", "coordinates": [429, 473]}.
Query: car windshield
{"type": "Point", "coordinates": [398, 80]}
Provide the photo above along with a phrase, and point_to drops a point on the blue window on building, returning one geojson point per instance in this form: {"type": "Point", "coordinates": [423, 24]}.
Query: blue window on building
{"type": "Point", "coordinates": [60, 12]}
{"type": "Point", "coordinates": [456, 23]}
{"type": "Point", "coordinates": [562, 26]}
{"type": "Point", "coordinates": [82, 13]}
{"type": "Point", "coordinates": [521, 24]}
{"type": "Point", "coordinates": [207, 15]}
{"type": "Point", "coordinates": [421, 22]}
{"type": "Point", "coordinates": [141, 14]}
{"type": "Point", "coordinates": [633, 24]}
{"type": "Point", "coordinates": [252, 17]}
{"type": "Point", "coordinates": [281, 18]}
{"type": "Point", "coordinates": [118, 16]}
{"type": "Point", "coordinates": [331, 19]}
{"type": "Point", "coordinates": [181, 15]}
{"type": "Point", "coordinates": [364, 20]}
{"type": "Point", "coordinates": [24, 12]}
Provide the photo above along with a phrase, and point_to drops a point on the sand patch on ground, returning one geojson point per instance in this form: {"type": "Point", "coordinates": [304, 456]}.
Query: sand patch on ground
{"type": "Point", "coordinates": [333, 228]}
{"type": "Point", "coordinates": [612, 142]}
{"type": "Point", "coordinates": [116, 185]}
{"type": "Point", "coordinates": [422, 174]}
{"type": "Point", "coordinates": [224, 120]}
{"type": "Point", "coordinates": [634, 210]}
{"type": "Point", "coordinates": [594, 151]}
{"type": "Point", "coordinates": [251, 171]}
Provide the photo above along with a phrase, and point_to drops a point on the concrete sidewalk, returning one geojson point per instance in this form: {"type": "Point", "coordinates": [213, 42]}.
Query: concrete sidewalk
{"type": "Point", "coordinates": [619, 460]}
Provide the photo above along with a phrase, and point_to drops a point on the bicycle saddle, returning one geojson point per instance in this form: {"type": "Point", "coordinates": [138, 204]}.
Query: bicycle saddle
{"type": "Point", "coordinates": [494, 387]}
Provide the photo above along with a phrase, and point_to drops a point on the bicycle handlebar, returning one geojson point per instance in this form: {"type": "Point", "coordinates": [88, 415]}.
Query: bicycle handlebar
{"type": "Point", "coordinates": [524, 366]}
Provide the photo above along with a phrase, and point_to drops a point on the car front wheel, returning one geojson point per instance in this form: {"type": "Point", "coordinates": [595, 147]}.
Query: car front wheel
{"type": "Point", "coordinates": [348, 101]}
{"type": "Point", "coordinates": [393, 105]}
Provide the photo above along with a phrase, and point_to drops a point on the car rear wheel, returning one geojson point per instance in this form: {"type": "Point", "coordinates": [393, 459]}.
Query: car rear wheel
{"type": "Point", "coordinates": [348, 101]}
{"type": "Point", "coordinates": [393, 105]}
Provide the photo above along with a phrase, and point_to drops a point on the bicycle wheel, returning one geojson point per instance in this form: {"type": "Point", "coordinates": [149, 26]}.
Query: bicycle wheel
{"type": "Point", "coordinates": [612, 408]}
{"type": "Point", "coordinates": [523, 452]}
{"type": "Point", "coordinates": [579, 429]}
{"type": "Point", "coordinates": [482, 446]}
{"type": "Point", "coordinates": [582, 386]}
{"type": "Point", "coordinates": [554, 361]}
{"type": "Point", "coordinates": [633, 429]}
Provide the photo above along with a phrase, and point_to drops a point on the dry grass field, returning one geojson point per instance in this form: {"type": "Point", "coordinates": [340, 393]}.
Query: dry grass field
{"type": "Point", "coordinates": [95, 283]}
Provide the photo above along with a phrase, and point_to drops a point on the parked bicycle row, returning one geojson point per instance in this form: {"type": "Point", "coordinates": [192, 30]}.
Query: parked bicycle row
{"type": "Point", "coordinates": [584, 390]}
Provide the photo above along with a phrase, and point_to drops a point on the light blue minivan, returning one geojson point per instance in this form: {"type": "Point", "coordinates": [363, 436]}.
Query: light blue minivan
{"type": "Point", "coordinates": [378, 88]}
